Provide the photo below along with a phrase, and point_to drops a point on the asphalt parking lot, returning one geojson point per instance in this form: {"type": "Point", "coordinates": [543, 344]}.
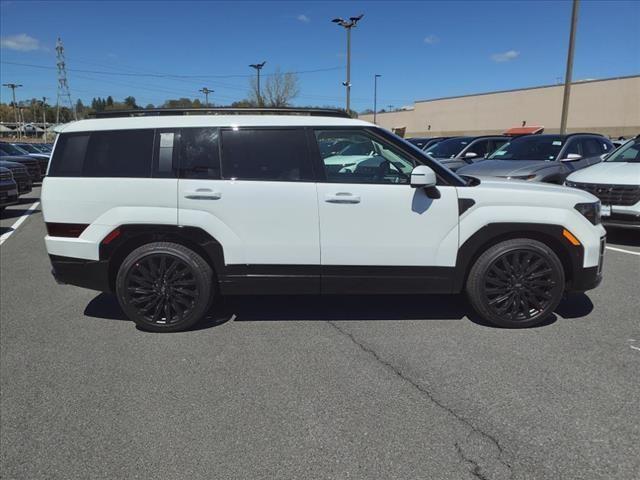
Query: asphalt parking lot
{"type": "Point", "coordinates": [341, 387]}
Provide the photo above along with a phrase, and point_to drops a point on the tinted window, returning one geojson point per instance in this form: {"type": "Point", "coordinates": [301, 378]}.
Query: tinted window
{"type": "Point", "coordinates": [573, 147]}
{"type": "Point", "coordinates": [277, 155]}
{"type": "Point", "coordinates": [199, 154]}
{"type": "Point", "coordinates": [379, 162]}
{"type": "Point", "coordinates": [121, 153]}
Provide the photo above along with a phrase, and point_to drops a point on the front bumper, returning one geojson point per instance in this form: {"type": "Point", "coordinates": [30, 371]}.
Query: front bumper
{"type": "Point", "coordinates": [8, 195]}
{"type": "Point", "coordinates": [590, 277]}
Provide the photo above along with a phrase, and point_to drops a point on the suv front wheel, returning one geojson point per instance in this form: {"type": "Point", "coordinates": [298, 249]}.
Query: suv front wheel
{"type": "Point", "coordinates": [516, 283]}
{"type": "Point", "coordinates": [164, 287]}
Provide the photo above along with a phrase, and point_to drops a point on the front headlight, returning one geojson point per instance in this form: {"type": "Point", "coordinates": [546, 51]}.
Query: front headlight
{"type": "Point", "coordinates": [591, 211]}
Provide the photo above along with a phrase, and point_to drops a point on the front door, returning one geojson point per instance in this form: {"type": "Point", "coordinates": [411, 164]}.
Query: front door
{"type": "Point", "coordinates": [377, 234]}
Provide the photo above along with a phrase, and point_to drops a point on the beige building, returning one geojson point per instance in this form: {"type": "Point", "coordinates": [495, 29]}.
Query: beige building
{"type": "Point", "coordinates": [610, 106]}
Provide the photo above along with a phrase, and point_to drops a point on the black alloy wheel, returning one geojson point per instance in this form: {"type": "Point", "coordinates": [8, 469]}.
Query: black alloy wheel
{"type": "Point", "coordinates": [164, 287]}
{"type": "Point", "coordinates": [519, 285]}
{"type": "Point", "coordinates": [516, 283]}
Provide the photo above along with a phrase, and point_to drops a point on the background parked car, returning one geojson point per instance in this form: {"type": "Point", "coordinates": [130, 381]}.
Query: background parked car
{"type": "Point", "coordinates": [8, 188]}
{"type": "Point", "coordinates": [425, 142]}
{"type": "Point", "coordinates": [36, 154]}
{"type": "Point", "coordinates": [31, 164]}
{"type": "Point", "coordinates": [20, 175]}
{"type": "Point", "coordinates": [458, 152]}
{"type": "Point", "coordinates": [616, 182]}
{"type": "Point", "coordinates": [543, 158]}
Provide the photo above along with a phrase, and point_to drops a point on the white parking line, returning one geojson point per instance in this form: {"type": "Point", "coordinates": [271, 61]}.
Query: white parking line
{"type": "Point", "coordinates": [18, 222]}
{"type": "Point", "coordinates": [622, 250]}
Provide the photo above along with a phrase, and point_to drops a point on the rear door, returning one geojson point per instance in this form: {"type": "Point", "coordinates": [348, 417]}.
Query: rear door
{"type": "Point", "coordinates": [253, 190]}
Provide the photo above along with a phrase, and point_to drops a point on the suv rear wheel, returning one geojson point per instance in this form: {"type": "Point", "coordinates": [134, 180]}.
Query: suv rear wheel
{"type": "Point", "coordinates": [164, 287]}
{"type": "Point", "coordinates": [516, 283]}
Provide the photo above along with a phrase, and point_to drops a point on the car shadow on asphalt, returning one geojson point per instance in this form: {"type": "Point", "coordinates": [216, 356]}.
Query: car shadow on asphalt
{"type": "Point", "coordinates": [15, 212]}
{"type": "Point", "coordinates": [339, 308]}
{"type": "Point", "coordinates": [623, 237]}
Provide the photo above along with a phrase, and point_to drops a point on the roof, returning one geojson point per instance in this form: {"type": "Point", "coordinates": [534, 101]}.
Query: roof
{"type": "Point", "coordinates": [182, 121]}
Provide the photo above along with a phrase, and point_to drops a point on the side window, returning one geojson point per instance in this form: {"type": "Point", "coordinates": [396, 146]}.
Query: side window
{"type": "Point", "coordinates": [266, 154]}
{"type": "Point", "coordinates": [68, 156]}
{"type": "Point", "coordinates": [591, 147]}
{"type": "Point", "coordinates": [497, 143]}
{"type": "Point", "coordinates": [479, 147]}
{"type": "Point", "coordinates": [572, 147]}
{"type": "Point", "coordinates": [199, 153]}
{"type": "Point", "coordinates": [115, 153]}
{"type": "Point", "coordinates": [363, 159]}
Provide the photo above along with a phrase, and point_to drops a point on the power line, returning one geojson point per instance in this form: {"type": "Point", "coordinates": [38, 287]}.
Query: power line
{"type": "Point", "coordinates": [167, 75]}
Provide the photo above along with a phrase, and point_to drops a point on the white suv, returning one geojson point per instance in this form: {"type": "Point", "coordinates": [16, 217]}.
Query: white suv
{"type": "Point", "coordinates": [616, 182]}
{"type": "Point", "coordinates": [169, 212]}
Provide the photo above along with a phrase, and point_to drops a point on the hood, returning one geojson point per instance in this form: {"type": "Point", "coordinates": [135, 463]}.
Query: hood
{"type": "Point", "coordinates": [521, 192]}
{"type": "Point", "coordinates": [613, 173]}
{"type": "Point", "coordinates": [505, 168]}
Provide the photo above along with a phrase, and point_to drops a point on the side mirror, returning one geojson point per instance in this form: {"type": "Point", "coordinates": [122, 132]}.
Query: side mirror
{"type": "Point", "coordinates": [423, 177]}
{"type": "Point", "coordinates": [470, 155]}
{"type": "Point", "coordinates": [571, 157]}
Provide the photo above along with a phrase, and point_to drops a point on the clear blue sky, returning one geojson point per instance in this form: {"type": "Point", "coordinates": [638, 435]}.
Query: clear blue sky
{"type": "Point", "coordinates": [421, 49]}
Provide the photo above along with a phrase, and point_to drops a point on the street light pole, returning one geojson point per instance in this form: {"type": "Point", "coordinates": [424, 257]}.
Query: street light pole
{"type": "Point", "coordinates": [206, 92]}
{"type": "Point", "coordinates": [375, 96]}
{"type": "Point", "coordinates": [348, 25]}
{"type": "Point", "coordinates": [13, 87]}
{"type": "Point", "coordinates": [567, 77]}
{"type": "Point", "coordinates": [257, 67]}
{"type": "Point", "coordinates": [44, 118]}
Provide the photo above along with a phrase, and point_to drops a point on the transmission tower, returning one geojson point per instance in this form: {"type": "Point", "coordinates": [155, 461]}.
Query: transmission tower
{"type": "Point", "coordinates": [63, 86]}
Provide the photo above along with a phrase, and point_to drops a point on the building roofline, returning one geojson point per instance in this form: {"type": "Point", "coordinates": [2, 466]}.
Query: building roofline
{"type": "Point", "coordinates": [522, 89]}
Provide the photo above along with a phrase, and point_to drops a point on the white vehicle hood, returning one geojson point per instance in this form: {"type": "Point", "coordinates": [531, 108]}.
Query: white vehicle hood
{"type": "Point", "coordinates": [612, 173]}
{"type": "Point", "coordinates": [520, 192]}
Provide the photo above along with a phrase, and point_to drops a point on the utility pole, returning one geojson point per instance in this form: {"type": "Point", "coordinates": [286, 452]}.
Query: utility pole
{"type": "Point", "coordinates": [258, 67]}
{"type": "Point", "coordinates": [375, 96]}
{"type": "Point", "coordinates": [13, 87]}
{"type": "Point", "coordinates": [63, 84]}
{"type": "Point", "coordinates": [206, 92]}
{"type": "Point", "coordinates": [44, 118]}
{"type": "Point", "coordinates": [348, 25]}
{"type": "Point", "coordinates": [567, 77]}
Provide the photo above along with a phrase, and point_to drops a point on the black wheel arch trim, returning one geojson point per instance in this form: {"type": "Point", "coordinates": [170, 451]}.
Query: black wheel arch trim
{"type": "Point", "coordinates": [551, 235]}
{"type": "Point", "coordinates": [132, 236]}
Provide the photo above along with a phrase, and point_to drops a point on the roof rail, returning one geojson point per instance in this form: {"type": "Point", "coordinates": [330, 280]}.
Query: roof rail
{"type": "Point", "coordinates": [321, 112]}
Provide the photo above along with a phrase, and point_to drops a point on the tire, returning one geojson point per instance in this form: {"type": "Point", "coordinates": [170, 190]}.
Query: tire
{"type": "Point", "coordinates": [164, 287]}
{"type": "Point", "coordinates": [516, 283]}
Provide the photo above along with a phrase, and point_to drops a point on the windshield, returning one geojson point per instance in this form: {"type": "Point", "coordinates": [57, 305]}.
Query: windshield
{"type": "Point", "coordinates": [29, 148]}
{"type": "Point", "coordinates": [531, 147]}
{"type": "Point", "coordinates": [11, 149]}
{"type": "Point", "coordinates": [629, 153]}
{"type": "Point", "coordinates": [449, 148]}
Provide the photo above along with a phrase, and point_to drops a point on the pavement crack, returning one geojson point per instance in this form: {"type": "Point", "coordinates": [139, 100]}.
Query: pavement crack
{"type": "Point", "coordinates": [477, 469]}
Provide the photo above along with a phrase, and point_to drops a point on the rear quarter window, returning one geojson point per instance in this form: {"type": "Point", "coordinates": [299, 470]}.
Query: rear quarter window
{"type": "Point", "coordinates": [117, 153]}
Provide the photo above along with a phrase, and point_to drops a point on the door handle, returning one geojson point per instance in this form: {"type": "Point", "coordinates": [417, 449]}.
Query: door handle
{"type": "Point", "coordinates": [342, 197]}
{"type": "Point", "coordinates": [203, 194]}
